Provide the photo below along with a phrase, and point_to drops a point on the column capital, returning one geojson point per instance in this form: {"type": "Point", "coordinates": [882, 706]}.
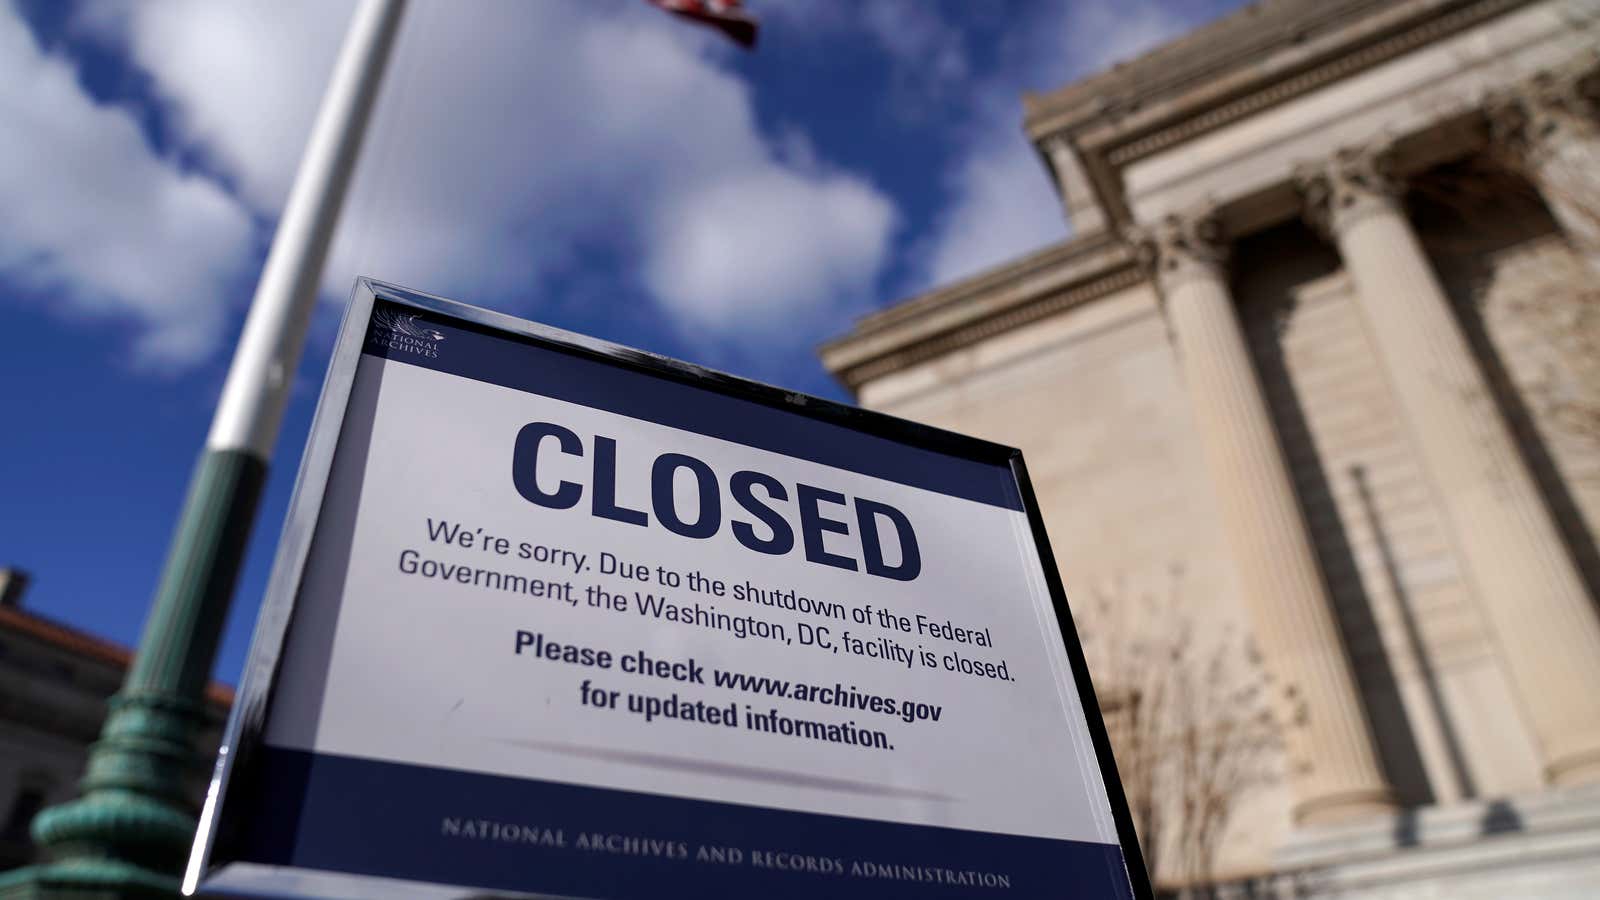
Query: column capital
{"type": "Point", "coordinates": [1349, 185]}
{"type": "Point", "coordinates": [1179, 246]}
{"type": "Point", "coordinates": [1545, 108]}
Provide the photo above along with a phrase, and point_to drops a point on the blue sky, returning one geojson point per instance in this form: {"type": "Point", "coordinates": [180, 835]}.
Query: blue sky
{"type": "Point", "coordinates": [595, 165]}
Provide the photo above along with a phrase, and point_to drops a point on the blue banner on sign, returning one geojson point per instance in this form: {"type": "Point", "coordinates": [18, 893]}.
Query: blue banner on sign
{"type": "Point", "coordinates": [365, 817]}
{"type": "Point", "coordinates": [496, 358]}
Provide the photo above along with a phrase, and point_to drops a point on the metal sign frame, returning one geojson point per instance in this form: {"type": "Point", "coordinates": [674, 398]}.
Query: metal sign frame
{"type": "Point", "coordinates": [249, 717]}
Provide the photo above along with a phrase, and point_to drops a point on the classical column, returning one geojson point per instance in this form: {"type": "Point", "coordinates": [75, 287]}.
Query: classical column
{"type": "Point", "coordinates": [1334, 770]}
{"type": "Point", "coordinates": [1543, 620]}
{"type": "Point", "coordinates": [1546, 125]}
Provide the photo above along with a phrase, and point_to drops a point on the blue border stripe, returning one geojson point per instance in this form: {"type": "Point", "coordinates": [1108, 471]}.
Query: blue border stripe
{"type": "Point", "coordinates": [508, 361]}
{"type": "Point", "coordinates": [365, 817]}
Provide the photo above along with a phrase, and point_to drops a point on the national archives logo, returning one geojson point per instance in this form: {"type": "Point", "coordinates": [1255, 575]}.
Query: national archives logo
{"type": "Point", "coordinates": [405, 333]}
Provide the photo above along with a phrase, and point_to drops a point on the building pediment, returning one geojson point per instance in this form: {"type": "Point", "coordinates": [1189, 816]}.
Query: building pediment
{"type": "Point", "coordinates": [1224, 118]}
{"type": "Point", "coordinates": [1260, 57]}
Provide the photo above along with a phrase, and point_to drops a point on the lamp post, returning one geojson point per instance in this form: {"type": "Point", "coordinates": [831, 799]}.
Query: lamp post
{"type": "Point", "coordinates": [129, 833]}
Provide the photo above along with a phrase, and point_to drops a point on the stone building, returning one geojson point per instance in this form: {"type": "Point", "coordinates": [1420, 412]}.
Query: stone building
{"type": "Point", "coordinates": [54, 684]}
{"type": "Point", "coordinates": [1310, 343]}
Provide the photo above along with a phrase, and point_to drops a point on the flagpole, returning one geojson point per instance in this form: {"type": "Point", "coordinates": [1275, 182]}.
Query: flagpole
{"type": "Point", "coordinates": [129, 833]}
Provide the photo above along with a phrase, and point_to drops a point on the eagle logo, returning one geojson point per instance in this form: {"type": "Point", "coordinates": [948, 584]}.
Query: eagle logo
{"type": "Point", "coordinates": [406, 325]}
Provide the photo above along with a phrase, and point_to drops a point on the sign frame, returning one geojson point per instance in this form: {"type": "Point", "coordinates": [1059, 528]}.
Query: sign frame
{"type": "Point", "coordinates": [247, 721]}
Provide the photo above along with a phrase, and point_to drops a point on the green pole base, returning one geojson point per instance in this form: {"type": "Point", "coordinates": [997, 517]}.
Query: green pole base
{"type": "Point", "coordinates": [129, 835]}
{"type": "Point", "coordinates": [87, 879]}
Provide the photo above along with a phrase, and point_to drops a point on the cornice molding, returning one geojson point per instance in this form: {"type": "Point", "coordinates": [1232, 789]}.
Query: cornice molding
{"type": "Point", "coordinates": [877, 349]}
{"type": "Point", "coordinates": [1277, 90]}
{"type": "Point", "coordinates": [1260, 57]}
{"type": "Point", "coordinates": [1074, 252]}
{"type": "Point", "coordinates": [1260, 46]}
{"type": "Point", "coordinates": [1239, 39]}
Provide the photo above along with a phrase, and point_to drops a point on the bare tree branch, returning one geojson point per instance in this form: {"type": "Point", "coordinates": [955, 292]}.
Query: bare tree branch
{"type": "Point", "coordinates": [1188, 722]}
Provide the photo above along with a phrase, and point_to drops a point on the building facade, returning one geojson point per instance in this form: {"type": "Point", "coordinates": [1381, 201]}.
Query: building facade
{"type": "Point", "coordinates": [1322, 342]}
{"type": "Point", "coordinates": [55, 682]}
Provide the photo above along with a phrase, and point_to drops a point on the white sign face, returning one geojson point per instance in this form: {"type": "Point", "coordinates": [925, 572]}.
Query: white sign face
{"type": "Point", "coordinates": [571, 628]}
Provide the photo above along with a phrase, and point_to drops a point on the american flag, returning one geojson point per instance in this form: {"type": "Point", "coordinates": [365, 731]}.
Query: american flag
{"type": "Point", "coordinates": [727, 16]}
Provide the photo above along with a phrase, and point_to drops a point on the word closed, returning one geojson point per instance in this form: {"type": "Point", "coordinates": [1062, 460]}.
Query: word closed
{"type": "Point", "coordinates": [765, 499]}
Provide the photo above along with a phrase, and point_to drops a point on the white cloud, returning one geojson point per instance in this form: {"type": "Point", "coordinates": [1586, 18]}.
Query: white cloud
{"type": "Point", "coordinates": [242, 79]}
{"type": "Point", "coordinates": [1004, 206]}
{"type": "Point", "coordinates": [512, 140]}
{"type": "Point", "coordinates": [915, 36]}
{"type": "Point", "coordinates": [507, 139]}
{"type": "Point", "coordinates": [93, 216]}
{"type": "Point", "coordinates": [748, 251]}
{"type": "Point", "coordinates": [1003, 202]}
{"type": "Point", "coordinates": [928, 55]}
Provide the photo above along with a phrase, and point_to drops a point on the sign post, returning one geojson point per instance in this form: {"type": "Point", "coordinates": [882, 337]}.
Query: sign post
{"type": "Point", "coordinates": [555, 617]}
{"type": "Point", "coordinates": [126, 835]}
